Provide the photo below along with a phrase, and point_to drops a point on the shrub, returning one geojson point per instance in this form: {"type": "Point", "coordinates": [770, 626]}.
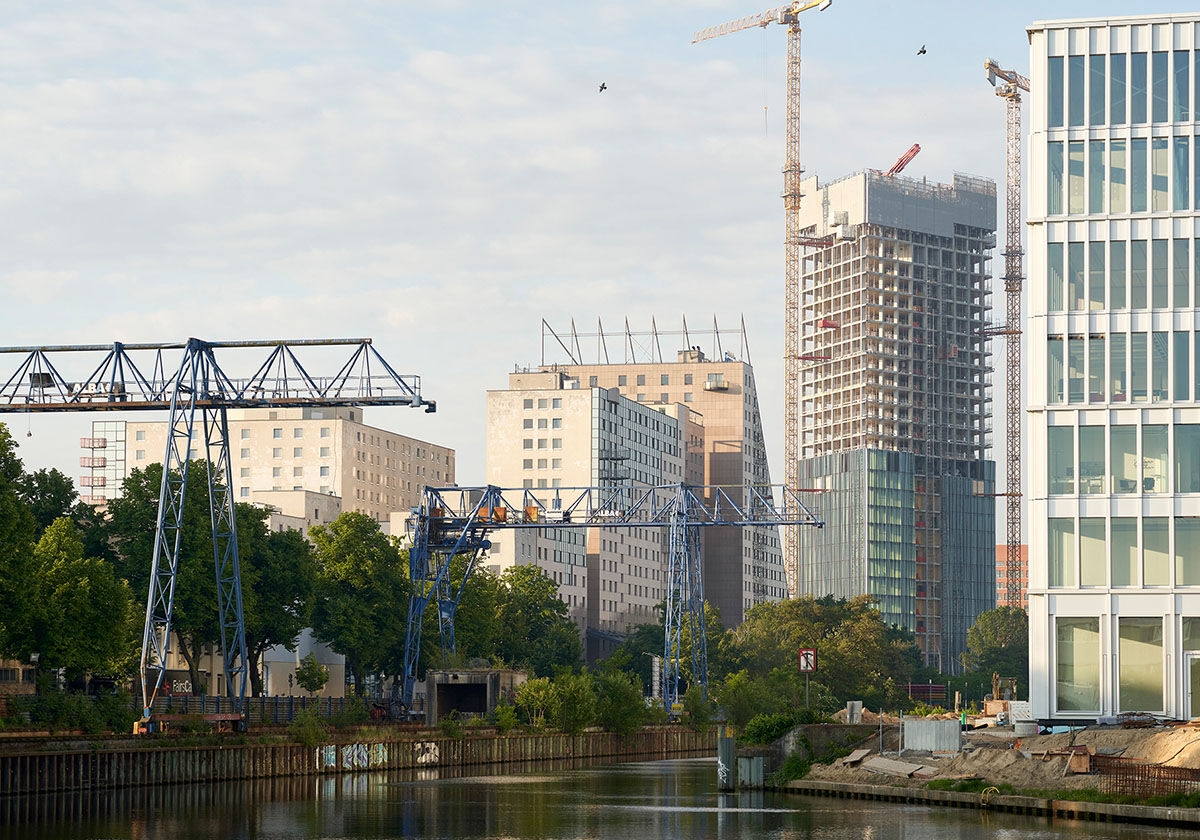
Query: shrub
{"type": "Point", "coordinates": [697, 712]}
{"type": "Point", "coordinates": [741, 698]}
{"type": "Point", "coordinates": [574, 702]}
{"type": "Point", "coordinates": [505, 717]}
{"type": "Point", "coordinates": [307, 728]}
{"type": "Point", "coordinates": [451, 725]}
{"type": "Point", "coordinates": [354, 712]}
{"type": "Point", "coordinates": [535, 697]}
{"type": "Point", "coordinates": [765, 729]}
{"type": "Point", "coordinates": [619, 704]}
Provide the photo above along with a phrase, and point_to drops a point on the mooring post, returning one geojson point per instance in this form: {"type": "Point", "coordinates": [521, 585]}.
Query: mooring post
{"type": "Point", "coordinates": [726, 759]}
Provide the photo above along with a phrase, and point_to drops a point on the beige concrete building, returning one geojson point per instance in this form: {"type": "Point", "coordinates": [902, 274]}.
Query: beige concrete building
{"type": "Point", "coordinates": [545, 434]}
{"type": "Point", "coordinates": [742, 566]}
{"type": "Point", "coordinates": [326, 451]}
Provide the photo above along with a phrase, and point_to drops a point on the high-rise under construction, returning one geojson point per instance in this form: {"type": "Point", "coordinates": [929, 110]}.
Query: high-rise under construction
{"type": "Point", "coordinates": [895, 400]}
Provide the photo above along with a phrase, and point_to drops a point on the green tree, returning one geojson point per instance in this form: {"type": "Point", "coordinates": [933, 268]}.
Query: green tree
{"type": "Point", "coordinates": [360, 595]}
{"type": "Point", "coordinates": [641, 644]}
{"type": "Point", "coordinates": [619, 704]}
{"type": "Point", "coordinates": [697, 712]}
{"type": "Point", "coordinates": [311, 675]}
{"type": "Point", "coordinates": [535, 697]}
{"type": "Point", "coordinates": [535, 629]}
{"type": "Point", "coordinates": [999, 641]}
{"type": "Point", "coordinates": [49, 494]}
{"type": "Point", "coordinates": [18, 531]}
{"type": "Point", "coordinates": [573, 706]}
{"type": "Point", "coordinates": [742, 698]}
{"type": "Point", "coordinates": [132, 516]}
{"type": "Point", "coordinates": [86, 615]}
{"type": "Point", "coordinates": [279, 572]}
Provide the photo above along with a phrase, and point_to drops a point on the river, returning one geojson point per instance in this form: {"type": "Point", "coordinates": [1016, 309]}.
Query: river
{"type": "Point", "coordinates": [637, 801]}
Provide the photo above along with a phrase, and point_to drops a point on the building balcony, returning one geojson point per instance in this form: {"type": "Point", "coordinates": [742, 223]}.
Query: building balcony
{"type": "Point", "coordinates": [93, 443]}
{"type": "Point", "coordinates": [95, 461]}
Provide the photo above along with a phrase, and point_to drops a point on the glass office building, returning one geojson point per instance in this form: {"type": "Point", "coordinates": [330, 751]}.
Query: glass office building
{"type": "Point", "coordinates": [1114, 370]}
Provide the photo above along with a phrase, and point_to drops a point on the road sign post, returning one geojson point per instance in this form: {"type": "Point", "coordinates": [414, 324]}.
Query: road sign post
{"type": "Point", "coordinates": [808, 664]}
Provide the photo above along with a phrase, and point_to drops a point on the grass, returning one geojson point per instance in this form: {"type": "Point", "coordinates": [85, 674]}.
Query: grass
{"type": "Point", "coordinates": [1175, 800]}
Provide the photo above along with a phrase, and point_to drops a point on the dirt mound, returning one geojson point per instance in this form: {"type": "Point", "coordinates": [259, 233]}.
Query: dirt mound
{"type": "Point", "coordinates": [868, 717]}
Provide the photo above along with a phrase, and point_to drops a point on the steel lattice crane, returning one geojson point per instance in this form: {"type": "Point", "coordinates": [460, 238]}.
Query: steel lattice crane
{"type": "Point", "coordinates": [456, 521]}
{"type": "Point", "coordinates": [1008, 85]}
{"type": "Point", "coordinates": [792, 171]}
{"type": "Point", "coordinates": [197, 393]}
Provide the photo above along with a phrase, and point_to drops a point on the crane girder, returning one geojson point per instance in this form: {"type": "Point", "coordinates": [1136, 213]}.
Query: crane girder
{"type": "Point", "coordinates": [784, 14]}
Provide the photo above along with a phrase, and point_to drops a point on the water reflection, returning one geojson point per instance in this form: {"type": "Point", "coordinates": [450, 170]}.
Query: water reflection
{"type": "Point", "coordinates": [651, 801]}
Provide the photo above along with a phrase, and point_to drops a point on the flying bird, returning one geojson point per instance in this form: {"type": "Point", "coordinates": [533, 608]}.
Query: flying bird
{"type": "Point", "coordinates": [603, 87]}
{"type": "Point", "coordinates": [922, 50]}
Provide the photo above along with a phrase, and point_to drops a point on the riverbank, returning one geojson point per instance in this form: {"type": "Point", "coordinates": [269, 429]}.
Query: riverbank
{"type": "Point", "coordinates": [988, 801]}
{"type": "Point", "coordinates": [156, 761]}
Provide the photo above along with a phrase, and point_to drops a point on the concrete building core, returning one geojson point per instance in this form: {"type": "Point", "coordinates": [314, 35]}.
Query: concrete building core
{"type": "Point", "coordinates": [895, 401]}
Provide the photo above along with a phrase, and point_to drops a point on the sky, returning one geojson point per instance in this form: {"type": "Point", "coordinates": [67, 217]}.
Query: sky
{"type": "Point", "coordinates": [441, 176]}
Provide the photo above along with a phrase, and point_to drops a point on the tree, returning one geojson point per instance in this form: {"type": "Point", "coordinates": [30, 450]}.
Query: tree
{"type": "Point", "coordinates": [132, 516]}
{"type": "Point", "coordinates": [535, 696]}
{"type": "Point", "coordinates": [85, 615]}
{"type": "Point", "coordinates": [49, 495]}
{"type": "Point", "coordinates": [742, 698]}
{"type": "Point", "coordinates": [536, 631]}
{"type": "Point", "coordinates": [573, 706]}
{"type": "Point", "coordinates": [360, 595]}
{"type": "Point", "coordinates": [697, 712]}
{"type": "Point", "coordinates": [277, 583]}
{"type": "Point", "coordinates": [311, 675]}
{"type": "Point", "coordinates": [999, 641]}
{"type": "Point", "coordinates": [619, 704]}
{"type": "Point", "coordinates": [17, 536]}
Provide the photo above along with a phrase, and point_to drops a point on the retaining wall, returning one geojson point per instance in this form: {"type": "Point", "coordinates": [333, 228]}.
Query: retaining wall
{"type": "Point", "coordinates": [80, 770]}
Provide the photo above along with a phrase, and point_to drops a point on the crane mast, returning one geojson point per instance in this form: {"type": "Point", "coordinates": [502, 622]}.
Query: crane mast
{"type": "Point", "coordinates": [792, 173]}
{"type": "Point", "coordinates": [1008, 86]}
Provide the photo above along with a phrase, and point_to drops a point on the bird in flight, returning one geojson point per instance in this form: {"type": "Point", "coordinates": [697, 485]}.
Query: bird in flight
{"type": "Point", "coordinates": [603, 87]}
{"type": "Point", "coordinates": [922, 50]}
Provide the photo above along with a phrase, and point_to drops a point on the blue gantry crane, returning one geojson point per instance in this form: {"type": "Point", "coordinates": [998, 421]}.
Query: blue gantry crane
{"type": "Point", "coordinates": [196, 389]}
{"type": "Point", "coordinates": [454, 521]}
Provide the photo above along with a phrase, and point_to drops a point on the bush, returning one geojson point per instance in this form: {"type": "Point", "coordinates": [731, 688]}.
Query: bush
{"type": "Point", "coordinates": [354, 712]}
{"type": "Point", "coordinates": [535, 698]}
{"type": "Point", "coordinates": [55, 711]}
{"type": "Point", "coordinates": [619, 704]}
{"type": "Point", "coordinates": [505, 718]}
{"type": "Point", "coordinates": [451, 726]}
{"type": "Point", "coordinates": [307, 728]}
{"type": "Point", "coordinates": [697, 712]}
{"type": "Point", "coordinates": [574, 702]}
{"type": "Point", "coordinates": [765, 729]}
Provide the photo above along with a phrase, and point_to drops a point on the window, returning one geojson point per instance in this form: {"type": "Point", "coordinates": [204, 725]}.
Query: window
{"type": "Point", "coordinates": [1061, 552]}
{"type": "Point", "coordinates": [1055, 96]}
{"type": "Point", "coordinates": [1117, 279]}
{"type": "Point", "coordinates": [527, 423]}
{"type": "Point", "coordinates": [527, 464]}
{"type": "Point", "coordinates": [543, 423]}
{"type": "Point", "coordinates": [1137, 193]}
{"type": "Point", "coordinates": [543, 403]}
{"type": "Point", "coordinates": [687, 379]}
{"type": "Point", "coordinates": [1054, 177]}
{"type": "Point", "coordinates": [641, 379]}
{"type": "Point", "coordinates": [1077, 661]}
{"type": "Point", "coordinates": [324, 451]}
{"type": "Point", "coordinates": [1183, 367]}
{"type": "Point", "coordinates": [593, 381]}
{"type": "Point", "coordinates": [527, 443]}
{"type": "Point", "coordinates": [1095, 176]}
{"type": "Point", "coordinates": [141, 435]}
{"type": "Point", "coordinates": [1091, 460]}
{"type": "Point", "coordinates": [1187, 551]}
{"type": "Point", "coordinates": [1140, 660]}
{"type": "Point", "coordinates": [1075, 176]}
{"type": "Point", "coordinates": [556, 402]}
{"type": "Point", "coordinates": [1055, 382]}
{"type": "Point", "coordinates": [1154, 459]}
{"type": "Point", "coordinates": [277, 433]}
{"type": "Point", "coordinates": [1116, 176]}
{"type": "Point", "coordinates": [298, 452]}
{"type": "Point", "coordinates": [556, 463]}
{"type": "Point", "coordinates": [1124, 550]}
{"type": "Point", "coordinates": [324, 472]}
{"type": "Point", "coordinates": [1075, 288]}
{"type": "Point", "coordinates": [556, 423]}
{"type": "Point", "coordinates": [622, 380]}
{"type": "Point", "coordinates": [1179, 175]}
{"type": "Point", "coordinates": [277, 452]}
{"type": "Point", "coordinates": [687, 396]}
{"type": "Point", "coordinates": [1156, 568]}
{"type": "Point", "coordinates": [1122, 458]}
{"type": "Point", "coordinates": [541, 443]}
{"type": "Point", "coordinates": [244, 492]}
{"type": "Point", "coordinates": [528, 404]}
{"type": "Point", "coordinates": [1093, 552]}
{"type": "Point", "coordinates": [1096, 369]}
{"type": "Point", "coordinates": [297, 471]}
{"type": "Point", "coordinates": [542, 463]}
{"type": "Point", "coordinates": [298, 432]}
{"type": "Point", "coordinates": [641, 397]}
{"type": "Point", "coordinates": [1116, 90]}
{"type": "Point", "coordinates": [324, 431]}
{"type": "Point", "coordinates": [1061, 447]}
{"type": "Point", "coordinates": [1075, 70]}
{"type": "Point", "coordinates": [1075, 370]}
{"type": "Point", "coordinates": [1158, 109]}
{"type": "Point", "coordinates": [1096, 90]}
{"type": "Point", "coordinates": [1181, 285]}
{"type": "Point", "coordinates": [664, 397]}
{"type": "Point", "coordinates": [245, 453]}
{"type": "Point", "coordinates": [1158, 174]}
{"type": "Point", "coordinates": [1187, 458]}
{"type": "Point", "coordinates": [1137, 88]}
{"type": "Point", "coordinates": [276, 472]}
{"type": "Point", "coordinates": [1159, 378]}
{"type": "Point", "coordinates": [1054, 277]}
{"type": "Point", "coordinates": [556, 443]}
{"type": "Point", "coordinates": [1138, 362]}
{"type": "Point", "coordinates": [244, 472]}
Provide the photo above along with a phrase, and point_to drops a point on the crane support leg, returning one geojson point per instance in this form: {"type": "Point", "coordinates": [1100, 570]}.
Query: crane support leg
{"type": "Point", "coordinates": [685, 605]}
{"type": "Point", "coordinates": [792, 173]}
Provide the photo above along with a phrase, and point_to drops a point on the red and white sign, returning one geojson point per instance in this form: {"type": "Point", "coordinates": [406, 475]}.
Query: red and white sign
{"type": "Point", "coordinates": [808, 660]}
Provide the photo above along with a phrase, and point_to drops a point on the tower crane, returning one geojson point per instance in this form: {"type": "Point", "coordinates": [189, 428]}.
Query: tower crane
{"type": "Point", "coordinates": [1008, 85]}
{"type": "Point", "coordinates": [196, 389]}
{"type": "Point", "coordinates": [787, 15]}
{"type": "Point", "coordinates": [456, 521]}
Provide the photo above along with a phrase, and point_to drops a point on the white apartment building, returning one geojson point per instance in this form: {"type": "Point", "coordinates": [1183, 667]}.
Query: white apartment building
{"type": "Point", "coordinates": [1114, 379]}
{"type": "Point", "coordinates": [330, 451]}
{"type": "Point", "coordinates": [545, 433]}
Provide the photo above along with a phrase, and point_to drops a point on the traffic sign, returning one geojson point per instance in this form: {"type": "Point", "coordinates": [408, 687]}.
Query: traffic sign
{"type": "Point", "coordinates": [808, 660]}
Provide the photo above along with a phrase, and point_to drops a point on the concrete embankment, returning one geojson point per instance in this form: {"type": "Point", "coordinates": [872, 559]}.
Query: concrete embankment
{"type": "Point", "coordinates": [153, 763]}
{"type": "Point", "coordinates": [1055, 808]}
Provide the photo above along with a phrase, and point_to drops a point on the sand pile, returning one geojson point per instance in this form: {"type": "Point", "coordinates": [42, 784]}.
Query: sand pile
{"type": "Point", "coordinates": [868, 717]}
